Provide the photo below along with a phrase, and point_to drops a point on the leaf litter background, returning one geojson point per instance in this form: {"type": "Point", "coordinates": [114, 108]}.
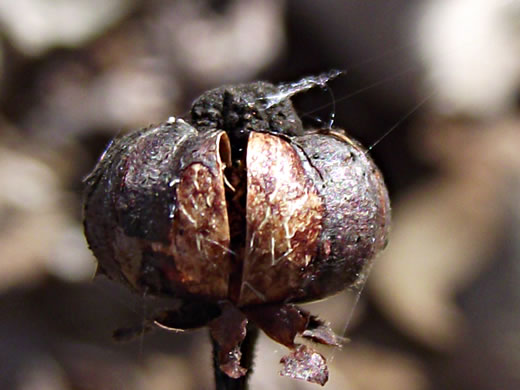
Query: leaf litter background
{"type": "Point", "coordinates": [440, 309]}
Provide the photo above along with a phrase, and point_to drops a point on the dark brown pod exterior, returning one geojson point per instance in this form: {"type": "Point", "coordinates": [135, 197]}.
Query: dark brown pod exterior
{"type": "Point", "coordinates": [357, 211]}
{"type": "Point", "coordinates": [155, 211]}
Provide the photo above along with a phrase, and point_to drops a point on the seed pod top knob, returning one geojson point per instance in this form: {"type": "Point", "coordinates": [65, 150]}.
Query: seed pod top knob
{"type": "Point", "coordinates": [241, 109]}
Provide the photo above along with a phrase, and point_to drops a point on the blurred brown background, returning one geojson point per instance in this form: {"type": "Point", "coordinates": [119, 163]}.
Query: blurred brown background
{"type": "Point", "coordinates": [441, 308]}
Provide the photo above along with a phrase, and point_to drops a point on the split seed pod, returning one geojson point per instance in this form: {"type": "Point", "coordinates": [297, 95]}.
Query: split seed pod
{"type": "Point", "coordinates": [239, 211]}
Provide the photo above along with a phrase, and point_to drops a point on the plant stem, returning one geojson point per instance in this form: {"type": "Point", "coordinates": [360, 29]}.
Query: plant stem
{"type": "Point", "coordinates": [224, 382]}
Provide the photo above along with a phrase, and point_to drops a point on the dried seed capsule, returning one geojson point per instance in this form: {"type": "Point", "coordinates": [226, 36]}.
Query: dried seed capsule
{"type": "Point", "coordinates": [239, 212]}
{"type": "Point", "coordinates": [316, 211]}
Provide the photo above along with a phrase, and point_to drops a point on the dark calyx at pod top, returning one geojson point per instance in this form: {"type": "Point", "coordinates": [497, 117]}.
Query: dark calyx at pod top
{"type": "Point", "coordinates": [240, 213]}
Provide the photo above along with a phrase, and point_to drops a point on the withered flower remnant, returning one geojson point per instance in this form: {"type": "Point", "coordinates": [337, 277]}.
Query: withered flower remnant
{"type": "Point", "coordinates": [240, 213]}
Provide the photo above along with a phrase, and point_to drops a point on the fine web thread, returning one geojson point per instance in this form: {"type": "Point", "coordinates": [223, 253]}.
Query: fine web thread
{"type": "Point", "coordinates": [414, 109]}
{"type": "Point", "coordinates": [104, 290]}
{"type": "Point", "coordinates": [143, 330]}
{"type": "Point", "coordinates": [350, 314]}
{"type": "Point", "coordinates": [382, 81]}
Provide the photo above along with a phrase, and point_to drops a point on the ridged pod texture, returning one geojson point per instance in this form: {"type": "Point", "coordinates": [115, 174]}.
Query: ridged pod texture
{"type": "Point", "coordinates": [236, 203]}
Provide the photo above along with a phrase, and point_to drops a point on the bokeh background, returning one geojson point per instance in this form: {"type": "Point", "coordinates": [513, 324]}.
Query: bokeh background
{"type": "Point", "coordinates": [441, 307]}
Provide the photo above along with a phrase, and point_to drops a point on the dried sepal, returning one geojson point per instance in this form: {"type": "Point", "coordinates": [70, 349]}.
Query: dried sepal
{"type": "Point", "coordinates": [228, 331]}
{"type": "Point", "coordinates": [306, 364]}
{"type": "Point", "coordinates": [281, 322]}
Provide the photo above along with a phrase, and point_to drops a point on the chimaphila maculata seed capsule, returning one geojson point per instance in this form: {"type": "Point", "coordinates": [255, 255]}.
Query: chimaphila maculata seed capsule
{"type": "Point", "coordinates": [240, 212]}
